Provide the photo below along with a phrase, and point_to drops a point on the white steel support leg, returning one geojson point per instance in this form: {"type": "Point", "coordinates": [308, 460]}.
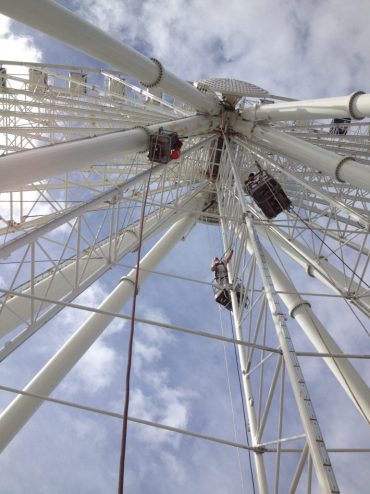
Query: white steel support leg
{"type": "Point", "coordinates": [22, 408]}
{"type": "Point", "coordinates": [247, 386]}
{"type": "Point", "coordinates": [320, 457]}
{"type": "Point", "coordinates": [18, 169]}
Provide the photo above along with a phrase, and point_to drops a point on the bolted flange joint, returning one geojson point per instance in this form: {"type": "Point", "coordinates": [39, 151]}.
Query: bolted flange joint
{"type": "Point", "coordinates": [297, 306]}
{"type": "Point", "coordinates": [158, 79]}
{"type": "Point", "coordinates": [146, 130]}
{"type": "Point", "coordinates": [352, 100]}
{"type": "Point", "coordinates": [339, 166]}
{"type": "Point", "coordinates": [125, 278]}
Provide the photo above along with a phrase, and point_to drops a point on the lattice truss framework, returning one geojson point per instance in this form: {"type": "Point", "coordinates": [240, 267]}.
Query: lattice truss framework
{"type": "Point", "coordinates": [62, 233]}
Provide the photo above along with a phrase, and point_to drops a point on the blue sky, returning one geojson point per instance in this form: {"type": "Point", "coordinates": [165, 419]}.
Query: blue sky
{"type": "Point", "coordinates": [292, 48]}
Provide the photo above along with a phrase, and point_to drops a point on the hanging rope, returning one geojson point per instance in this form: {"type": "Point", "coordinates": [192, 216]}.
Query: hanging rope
{"type": "Point", "coordinates": [131, 341]}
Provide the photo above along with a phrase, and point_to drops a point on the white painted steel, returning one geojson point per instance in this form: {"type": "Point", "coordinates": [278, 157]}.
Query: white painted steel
{"type": "Point", "coordinates": [19, 169]}
{"type": "Point", "coordinates": [324, 472]}
{"type": "Point", "coordinates": [299, 469]}
{"type": "Point", "coordinates": [319, 203]}
{"type": "Point", "coordinates": [246, 383]}
{"type": "Point", "coordinates": [59, 284]}
{"type": "Point", "coordinates": [74, 212]}
{"type": "Point", "coordinates": [333, 201]}
{"type": "Point", "coordinates": [273, 280]}
{"type": "Point", "coordinates": [16, 415]}
{"type": "Point", "coordinates": [361, 106]}
{"type": "Point", "coordinates": [320, 159]}
{"type": "Point", "coordinates": [320, 458]}
{"type": "Point", "coordinates": [356, 106]}
{"type": "Point", "coordinates": [347, 375]}
{"type": "Point", "coordinates": [319, 268]}
{"type": "Point", "coordinates": [77, 211]}
{"type": "Point", "coordinates": [57, 21]}
{"type": "Point", "coordinates": [346, 170]}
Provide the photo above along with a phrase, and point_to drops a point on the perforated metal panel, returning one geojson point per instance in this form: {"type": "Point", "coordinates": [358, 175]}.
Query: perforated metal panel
{"type": "Point", "coordinates": [233, 87]}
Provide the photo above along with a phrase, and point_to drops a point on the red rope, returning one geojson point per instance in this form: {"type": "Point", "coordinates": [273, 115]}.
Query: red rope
{"type": "Point", "coordinates": [130, 345]}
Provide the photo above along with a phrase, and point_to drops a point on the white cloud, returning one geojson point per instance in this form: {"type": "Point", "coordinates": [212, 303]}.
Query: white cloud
{"type": "Point", "coordinates": [84, 429]}
{"type": "Point", "coordinates": [95, 370]}
{"type": "Point", "coordinates": [289, 47]}
{"type": "Point", "coordinates": [163, 405]}
{"type": "Point", "coordinates": [149, 345]}
{"type": "Point", "coordinates": [154, 398]}
{"type": "Point", "coordinates": [14, 47]}
{"type": "Point", "coordinates": [177, 470]}
{"type": "Point", "coordinates": [146, 353]}
{"type": "Point", "coordinates": [113, 16]}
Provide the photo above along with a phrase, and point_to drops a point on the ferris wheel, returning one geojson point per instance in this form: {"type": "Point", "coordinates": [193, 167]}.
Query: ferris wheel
{"type": "Point", "coordinates": [88, 176]}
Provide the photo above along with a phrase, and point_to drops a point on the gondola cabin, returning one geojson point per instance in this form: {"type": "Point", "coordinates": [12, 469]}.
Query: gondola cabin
{"type": "Point", "coordinates": [223, 297]}
{"type": "Point", "coordinates": [268, 194]}
{"type": "Point", "coordinates": [164, 146]}
{"type": "Point", "coordinates": [339, 126]}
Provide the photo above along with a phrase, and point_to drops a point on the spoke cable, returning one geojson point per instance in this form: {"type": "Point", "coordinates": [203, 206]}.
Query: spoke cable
{"type": "Point", "coordinates": [331, 250]}
{"type": "Point", "coordinates": [318, 236]}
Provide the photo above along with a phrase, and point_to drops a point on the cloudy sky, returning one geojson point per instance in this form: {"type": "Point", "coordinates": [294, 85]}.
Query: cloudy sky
{"type": "Point", "coordinates": [292, 48]}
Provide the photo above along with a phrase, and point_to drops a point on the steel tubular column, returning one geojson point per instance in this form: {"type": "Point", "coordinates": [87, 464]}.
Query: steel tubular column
{"type": "Point", "coordinates": [319, 454]}
{"type": "Point", "coordinates": [59, 22]}
{"type": "Point", "coordinates": [336, 166]}
{"type": "Point", "coordinates": [247, 387]}
{"type": "Point", "coordinates": [22, 408]}
{"type": "Point", "coordinates": [355, 106]}
{"type": "Point", "coordinates": [18, 169]}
